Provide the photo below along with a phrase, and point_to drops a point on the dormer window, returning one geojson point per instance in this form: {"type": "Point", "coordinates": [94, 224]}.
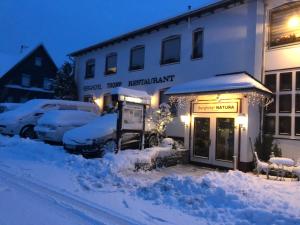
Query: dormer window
{"type": "Point", "coordinates": [285, 25]}
{"type": "Point", "coordinates": [38, 61]}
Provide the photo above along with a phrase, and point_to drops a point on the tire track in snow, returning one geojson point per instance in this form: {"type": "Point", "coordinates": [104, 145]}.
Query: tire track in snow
{"type": "Point", "coordinates": [79, 207]}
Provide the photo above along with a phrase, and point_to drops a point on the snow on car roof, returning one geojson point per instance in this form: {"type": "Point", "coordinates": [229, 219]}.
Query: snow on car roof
{"type": "Point", "coordinates": [130, 93]}
{"type": "Point", "coordinates": [232, 82]}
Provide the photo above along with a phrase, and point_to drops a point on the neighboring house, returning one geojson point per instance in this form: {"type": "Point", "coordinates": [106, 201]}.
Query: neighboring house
{"type": "Point", "coordinates": [26, 76]}
{"type": "Point", "coordinates": [259, 40]}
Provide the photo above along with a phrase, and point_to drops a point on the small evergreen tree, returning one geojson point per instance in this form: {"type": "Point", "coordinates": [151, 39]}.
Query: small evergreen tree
{"type": "Point", "coordinates": [64, 85]}
{"type": "Point", "coordinates": [264, 146]}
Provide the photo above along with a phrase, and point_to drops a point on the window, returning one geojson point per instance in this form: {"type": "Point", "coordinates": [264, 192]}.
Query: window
{"type": "Point", "coordinates": [47, 83]}
{"type": "Point", "coordinates": [38, 61]}
{"type": "Point", "coordinates": [285, 25]}
{"type": "Point", "coordinates": [285, 103]}
{"type": "Point", "coordinates": [297, 103]}
{"type": "Point", "coordinates": [270, 82]}
{"type": "Point", "coordinates": [111, 64]}
{"type": "Point", "coordinates": [298, 80]}
{"type": "Point", "coordinates": [170, 52]}
{"type": "Point", "coordinates": [165, 99]}
{"type": "Point", "coordinates": [286, 81]}
{"type": "Point", "coordinates": [137, 58]}
{"type": "Point", "coordinates": [90, 69]}
{"type": "Point", "coordinates": [272, 107]}
{"type": "Point", "coordinates": [88, 98]}
{"type": "Point", "coordinates": [285, 125]}
{"type": "Point", "coordinates": [26, 80]}
{"type": "Point", "coordinates": [197, 44]}
{"type": "Point", "coordinates": [269, 125]}
{"type": "Point", "coordinates": [297, 126]}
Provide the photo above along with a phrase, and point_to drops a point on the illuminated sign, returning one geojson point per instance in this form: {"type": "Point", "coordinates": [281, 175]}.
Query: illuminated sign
{"type": "Point", "coordinates": [132, 117]}
{"type": "Point", "coordinates": [218, 107]}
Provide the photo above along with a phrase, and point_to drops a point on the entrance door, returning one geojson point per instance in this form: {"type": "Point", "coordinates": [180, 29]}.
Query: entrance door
{"type": "Point", "coordinates": [214, 140]}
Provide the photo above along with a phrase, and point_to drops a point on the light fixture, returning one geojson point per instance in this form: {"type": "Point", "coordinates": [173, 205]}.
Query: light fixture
{"type": "Point", "coordinates": [185, 119]}
{"type": "Point", "coordinates": [294, 22]}
{"type": "Point", "coordinates": [242, 120]}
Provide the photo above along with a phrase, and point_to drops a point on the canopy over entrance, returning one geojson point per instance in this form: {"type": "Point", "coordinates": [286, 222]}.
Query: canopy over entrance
{"type": "Point", "coordinates": [240, 82]}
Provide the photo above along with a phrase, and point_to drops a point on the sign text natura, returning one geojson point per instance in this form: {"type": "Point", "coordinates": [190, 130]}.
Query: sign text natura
{"type": "Point", "coordinates": [218, 107]}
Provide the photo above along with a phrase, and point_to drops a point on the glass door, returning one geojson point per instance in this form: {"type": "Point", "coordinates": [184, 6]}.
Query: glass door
{"type": "Point", "coordinates": [201, 138]}
{"type": "Point", "coordinates": [225, 142]}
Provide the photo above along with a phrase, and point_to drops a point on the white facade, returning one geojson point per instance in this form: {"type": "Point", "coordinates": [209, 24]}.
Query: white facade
{"type": "Point", "coordinates": [235, 39]}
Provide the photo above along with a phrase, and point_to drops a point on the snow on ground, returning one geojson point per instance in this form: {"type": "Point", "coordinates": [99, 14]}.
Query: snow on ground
{"type": "Point", "coordinates": [176, 195]}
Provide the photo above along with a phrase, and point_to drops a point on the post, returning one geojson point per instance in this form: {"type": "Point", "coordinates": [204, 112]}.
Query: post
{"type": "Point", "coordinates": [235, 162]}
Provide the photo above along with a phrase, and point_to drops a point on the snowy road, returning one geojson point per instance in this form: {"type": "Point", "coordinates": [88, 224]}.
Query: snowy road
{"type": "Point", "coordinates": [58, 208]}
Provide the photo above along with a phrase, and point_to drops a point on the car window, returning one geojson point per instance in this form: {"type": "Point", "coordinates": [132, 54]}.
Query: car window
{"type": "Point", "coordinates": [67, 107]}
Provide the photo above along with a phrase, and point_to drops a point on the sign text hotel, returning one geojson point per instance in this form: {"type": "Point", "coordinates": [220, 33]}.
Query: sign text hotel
{"type": "Point", "coordinates": [218, 107]}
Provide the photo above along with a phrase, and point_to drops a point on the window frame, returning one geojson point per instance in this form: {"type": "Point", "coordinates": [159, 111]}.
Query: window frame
{"type": "Point", "coordinates": [193, 57]}
{"type": "Point", "coordinates": [106, 71]}
{"type": "Point", "coordinates": [137, 47]}
{"type": "Point", "coordinates": [162, 54]}
{"type": "Point", "coordinates": [90, 61]}
{"type": "Point", "coordinates": [281, 75]}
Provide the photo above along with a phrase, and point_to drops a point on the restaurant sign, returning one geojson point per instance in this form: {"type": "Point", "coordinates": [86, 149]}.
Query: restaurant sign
{"type": "Point", "coordinates": [218, 107]}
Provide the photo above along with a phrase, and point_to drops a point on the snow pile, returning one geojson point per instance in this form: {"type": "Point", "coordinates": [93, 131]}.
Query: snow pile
{"type": "Point", "coordinates": [130, 92]}
{"type": "Point", "coordinates": [229, 198]}
{"type": "Point", "coordinates": [66, 117]}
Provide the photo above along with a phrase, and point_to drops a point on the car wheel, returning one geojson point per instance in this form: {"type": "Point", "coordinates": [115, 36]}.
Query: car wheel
{"type": "Point", "coordinates": [153, 141]}
{"type": "Point", "coordinates": [28, 132]}
{"type": "Point", "coordinates": [109, 146]}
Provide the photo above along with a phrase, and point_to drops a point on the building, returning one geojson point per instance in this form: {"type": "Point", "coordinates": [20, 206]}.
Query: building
{"type": "Point", "coordinates": [240, 43]}
{"type": "Point", "coordinates": [26, 76]}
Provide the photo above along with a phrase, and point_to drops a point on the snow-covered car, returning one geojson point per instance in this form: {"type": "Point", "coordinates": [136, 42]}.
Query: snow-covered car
{"type": "Point", "coordinates": [21, 121]}
{"type": "Point", "coordinates": [5, 107]}
{"type": "Point", "coordinates": [97, 137]}
{"type": "Point", "coordinates": [52, 125]}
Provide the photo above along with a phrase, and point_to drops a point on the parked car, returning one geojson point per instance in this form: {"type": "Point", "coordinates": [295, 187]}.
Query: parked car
{"type": "Point", "coordinates": [97, 137]}
{"type": "Point", "coordinates": [5, 107]}
{"type": "Point", "coordinates": [21, 121]}
{"type": "Point", "coordinates": [52, 125]}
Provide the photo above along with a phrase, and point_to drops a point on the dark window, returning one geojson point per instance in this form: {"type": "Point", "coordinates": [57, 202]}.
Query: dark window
{"type": "Point", "coordinates": [90, 68]}
{"type": "Point", "coordinates": [197, 44]}
{"type": "Point", "coordinates": [297, 126]}
{"type": "Point", "coordinates": [111, 64]}
{"type": "Point", "coordinates": [285, 125]}
{"type": "Point", "coordinates": [88, 98]}
{"type": "Point", "coordinates": [297, 105]}
{"type": "Point", "coordinates": [286, 81]}
{"type": "Point", "coordinates": [170, 50]}
{"type": "Point", "coordinates": [271, 108]}
{"type": "Point", "coordinates": [165, 99]}
{"type": "Point", "coordinates": [270, 82]}
{"type": "Point", "coordinates": [137, 58]}
{"type": "Point", "coordinates": [38, 61]}
{"type": "Point", "coordinates": [285, 103]}
{"type": "Point", "coordinates": [26, 80]}
{"type": "Point", "coordinates": [298, 80]}
{"type": "Point", "coordinates": [109, 103]}
{"type": "Point", "coordinates": [285, 24]}
{"type": "Point", "coordinates": [269, 125]}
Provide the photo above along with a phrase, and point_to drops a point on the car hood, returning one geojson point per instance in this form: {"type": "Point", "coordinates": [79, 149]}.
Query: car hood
{"type": "Point", "coordinates": [98, 128]}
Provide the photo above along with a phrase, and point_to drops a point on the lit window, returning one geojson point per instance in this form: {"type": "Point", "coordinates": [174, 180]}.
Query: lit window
{"type": "Point", "coordinates": [270, 82]}
{"type": "Point", "coordinates": [90, 68]}
{"type": "Point", "coordinates": [137, 57]}
{"type": "Point", "coordinates": [111, 64]}
{"type": "Point", "coordinates": [26, 80]}
{"type": "Point", "coordinates": [269, 125]}
{"type": "Point", "coordinates": [285, 125]}
{"type": "Point", "coordinates": [170, 50]}
{"type": "Point", "coordinates": [285, 103]}
{"type": "Point", "coordinates": [38, 61]}
{"type": "Point", "coordinates": [197, 44]}
{"type": "Point", "coordinates": [47, 83]}
{"type": "Point", "coordinates": [286, 81]}
{"type": "Point", "coordinates": [285, 24]}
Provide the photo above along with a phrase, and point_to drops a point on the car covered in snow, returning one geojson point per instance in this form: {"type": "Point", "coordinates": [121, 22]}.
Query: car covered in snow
{"type": "Point", "coordinates": [53, 124]}
{"type": "Point", "coordinates": [98, 137]}
{"type": "Point", "coordinates": [5, 107]}
{"type": "Point", "coordinates": [21, 121]}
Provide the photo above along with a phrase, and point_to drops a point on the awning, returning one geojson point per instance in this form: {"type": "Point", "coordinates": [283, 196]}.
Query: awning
{"type": "Point", "coordinates": [240, 82]}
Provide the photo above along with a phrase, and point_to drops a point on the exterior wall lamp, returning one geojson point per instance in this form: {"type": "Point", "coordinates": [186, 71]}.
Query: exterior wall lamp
{"type": "Point", "coordinates": [185, 119]}
{"type": "Point", "coordinates": [242, 121]}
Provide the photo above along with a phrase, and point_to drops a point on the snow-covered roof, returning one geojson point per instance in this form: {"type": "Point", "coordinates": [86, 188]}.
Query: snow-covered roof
{"type": "Point", "coordinates": [130, 93]}
{"type": "Point", "coordinates": [219, 83]}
